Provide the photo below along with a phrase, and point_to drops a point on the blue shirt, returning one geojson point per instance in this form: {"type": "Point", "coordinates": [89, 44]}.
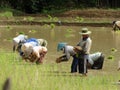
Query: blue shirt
{"type": "Point", "coordinates": [33, 41]}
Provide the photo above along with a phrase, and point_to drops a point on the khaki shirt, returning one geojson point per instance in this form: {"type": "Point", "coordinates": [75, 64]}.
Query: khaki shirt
{"type": "Point", "coordinates": [86, 45]}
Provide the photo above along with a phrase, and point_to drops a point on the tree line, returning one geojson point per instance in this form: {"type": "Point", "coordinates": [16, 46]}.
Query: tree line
{"type": "Point", "coordinates": [39, 6]}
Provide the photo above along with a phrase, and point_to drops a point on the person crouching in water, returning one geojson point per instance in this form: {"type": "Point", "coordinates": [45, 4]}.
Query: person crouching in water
{"type": "Point", "coordinates": [68, 51]}
{"type": "Point", "coordinates": [97, 58]}
{"type": "Point", "coordinates": [27, 47]}
{"type": "Point", "coordinates": [34, 54]}
{"type": "Point", "coordinates": [18, 41]}
{"type": "Point", "coordinates": [116, 25]}
{"type": "Point", "coordinates": [85, 43]}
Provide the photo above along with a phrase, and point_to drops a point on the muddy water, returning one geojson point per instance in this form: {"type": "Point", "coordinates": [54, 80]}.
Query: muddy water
{"type": "Point", "coordinates": [103, 40]}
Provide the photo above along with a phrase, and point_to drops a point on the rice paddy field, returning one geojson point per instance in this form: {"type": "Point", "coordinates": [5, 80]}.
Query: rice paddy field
{"type": "Point", "coordinates": [50, 75]}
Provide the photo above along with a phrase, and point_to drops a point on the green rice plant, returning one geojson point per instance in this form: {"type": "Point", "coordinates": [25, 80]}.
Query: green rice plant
{"type": "Point", "coordinates": [30, 18]}
{"type": "Point", "coordinates": [79, 19]}
{"type": "Point", "coordinates": [111, 57]}
{"type": "Point", "coordinates": [8, 27]}
{"type": "Point", "coordinates": [9, 39]}
{"type": "Point", "coordinates": [55, 19]}
{"type": "Point", "coordinates": [69, 30]}
{"type": "Point", "coordinates": [69, 33]}
{"type": "Point", "coordinates": [52, 26]}
{"type": "Point", "coordinates": [32, 31]}
{"type": "Point", "coordinates": [51, 76]}
{"type": "Point", "coordinates": [7, 14]}
{"type": "Point", "coordinates": [113, 50]}
{"type": "Point", "coordinates": [49, 17]}
{"type": "Point", "coordinates": [17, 33]}
{"type": "Point", "coordinates": [21, 33]}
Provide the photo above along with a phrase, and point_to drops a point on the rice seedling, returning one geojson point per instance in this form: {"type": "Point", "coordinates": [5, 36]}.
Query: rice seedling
{"type": "Point", "coordinates": [6, 14]}
{"type": "Point", "coordinates": [52, 26]}
{"type": "Point", "coordinates": [79, 19]}
{"type": "Point", "coordinates": [29, 76]}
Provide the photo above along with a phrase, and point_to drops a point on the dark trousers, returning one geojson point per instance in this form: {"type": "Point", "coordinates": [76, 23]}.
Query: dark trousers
{"type": "Point", "coordinates": [82, 65]}
{"type": "Point", "coordinates": [74, 64]}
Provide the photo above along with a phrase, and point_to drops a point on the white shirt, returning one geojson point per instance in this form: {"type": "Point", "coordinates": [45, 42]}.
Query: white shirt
{"type": "Point", "coordinates": [69, 51]}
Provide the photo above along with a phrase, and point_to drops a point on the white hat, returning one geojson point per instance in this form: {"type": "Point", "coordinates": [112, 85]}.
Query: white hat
{"type": "Point", "coordinates": [85, 31]}
{"type": "Point", "coordinates": [27, 48]}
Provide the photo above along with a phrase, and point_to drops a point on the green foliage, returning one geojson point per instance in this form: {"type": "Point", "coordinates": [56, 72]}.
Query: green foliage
{"type": "Point", "coordinates": [29, 76]}
{"type": "Point", "coordinates": [30, 18]}
{"type": "Point", "coordinates": [69, 33]}
{"type": "Point", "coordinates": [52, 25]}
{"type": "Point", "coordinates": [7, 14]}
{"type": "Point", "coordinates": [32, 31]}
{"type": "Point", "coordinates": [55, 19]}
{"type": "Point", "coordinates": [8, 27]}
{"type": "Point", "coordinates": [79, 19]}
{"type": "Point", "coordinates": [21, 33]}
{"type": "Point", "coordinates": [113, 50]}
{"type": "Point", "coordinates": [111, 57]}
{"type": "Point", "coordinates": [56, 6]}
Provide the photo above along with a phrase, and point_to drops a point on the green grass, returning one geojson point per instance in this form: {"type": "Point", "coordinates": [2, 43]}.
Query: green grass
{"type": "Point", "coordinates": [29, 76]}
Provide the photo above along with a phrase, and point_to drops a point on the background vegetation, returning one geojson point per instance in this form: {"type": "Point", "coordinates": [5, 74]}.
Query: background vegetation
{"type": "Point", "coordinates": [45, 6]}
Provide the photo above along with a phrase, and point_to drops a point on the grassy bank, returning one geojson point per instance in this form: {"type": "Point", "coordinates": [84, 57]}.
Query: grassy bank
{"type": "Point", "coordinates": [49, 76]}
{"type": "Point", "coordinates": [71, 16]}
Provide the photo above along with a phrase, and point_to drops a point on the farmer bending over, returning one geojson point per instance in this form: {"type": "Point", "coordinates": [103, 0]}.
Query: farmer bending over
{"type": "Point", "coordinates": [20, 39]}
{"type": "Point", "coordinates": [68, 51]}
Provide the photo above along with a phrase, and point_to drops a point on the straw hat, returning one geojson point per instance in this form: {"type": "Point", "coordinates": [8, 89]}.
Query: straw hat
{"type": "Point", "coordinates": [85, 31]}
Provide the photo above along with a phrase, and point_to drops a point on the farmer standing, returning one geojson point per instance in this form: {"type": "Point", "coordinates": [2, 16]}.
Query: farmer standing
{"type": "Point", "coordinates": [85, 43]}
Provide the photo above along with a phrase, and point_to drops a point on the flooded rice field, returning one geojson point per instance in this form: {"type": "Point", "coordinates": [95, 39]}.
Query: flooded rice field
{"type": "Point", "coordinates": [104, 40]}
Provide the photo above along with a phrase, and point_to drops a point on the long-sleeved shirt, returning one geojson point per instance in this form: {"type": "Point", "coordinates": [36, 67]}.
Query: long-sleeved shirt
{"type": "Point", "coordinates": [19, 38]}
{"type": "Point", "coordinates": [86, 45]}
{"type": "Point", "coordinates": [68, 50]}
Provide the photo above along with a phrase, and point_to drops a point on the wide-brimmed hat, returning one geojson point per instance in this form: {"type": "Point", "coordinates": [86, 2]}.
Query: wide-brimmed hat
{"type": "Point", "coordinates": [79, 48]}
{"type": "Point", "coordinates": [61, 45]}
{"type": "Point", "coordinates": [85, 31]}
